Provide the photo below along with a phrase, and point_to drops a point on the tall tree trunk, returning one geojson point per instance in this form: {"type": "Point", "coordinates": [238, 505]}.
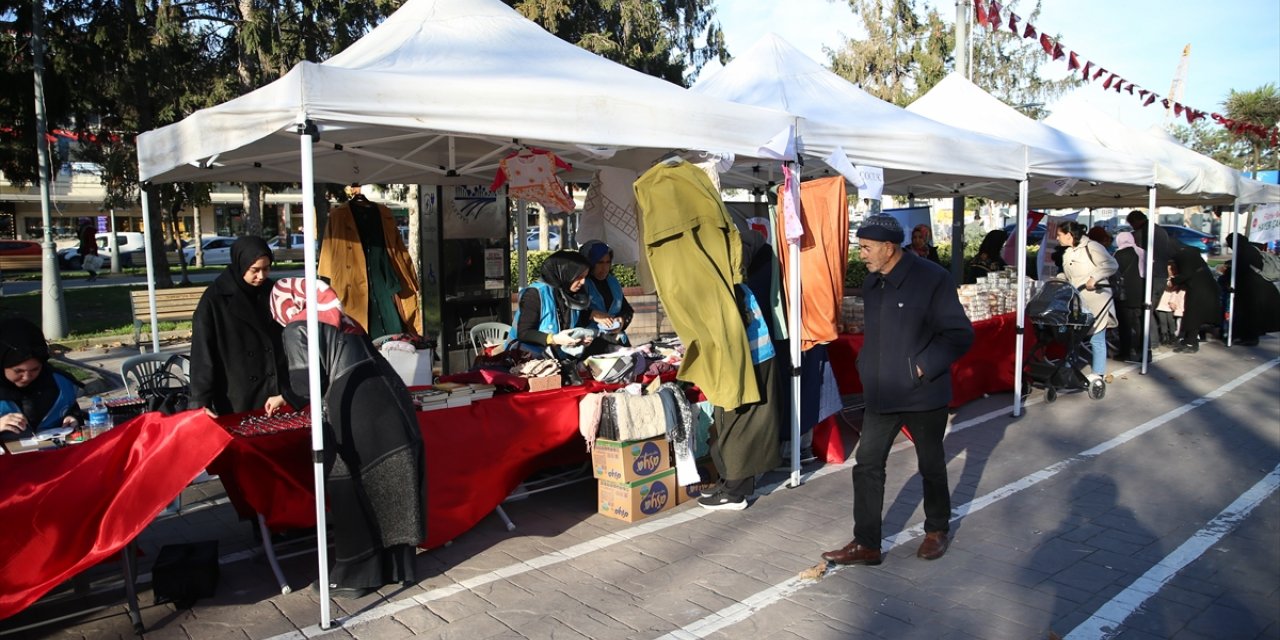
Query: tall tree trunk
{"type": "Point", "coordinates": [252, 208]}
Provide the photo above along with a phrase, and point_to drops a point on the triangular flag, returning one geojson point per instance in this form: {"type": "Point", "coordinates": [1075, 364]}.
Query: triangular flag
{"type": "Point", "coordinates": [1119, 83]}
{"type": "Point", "coordinates": [1029, 32]}
{"type": "Point", "coordinates": [1013, 23]}
{"type": "Point", "coordinates": [1191, 118]}
{"type": "Point", "coordinates": [1142, 93]}
{"type": "Point", "coordinates": [1151, 98]}
{"type": "Point", "coordinates": [1130, 88]}
{"type": "Point", "coordinates": [1073, 62]}
{"type": "Point", "coordinates": [1111, 78]}
{"type": "Point", "coordinates": [1057, 51]}
{"type": "Point", "coordinates": [1084, 75]}
{"type": "Point", "coordinates": [1046, 43]}
{"type": "Point", "coordinates": [1098, 74]}
{"type": "Point", "coordinates": [994, 15]}
{"type": "Point", "coordinates": [1177, 109]}
{"type": "Point", "coordinates": [980, 12]}
{"type": "Point", "coordinates": [1165, 102]}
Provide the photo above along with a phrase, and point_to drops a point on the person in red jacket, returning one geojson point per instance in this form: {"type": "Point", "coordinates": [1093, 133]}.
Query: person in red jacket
{"type": "Point", "coordinates": [915, 329]}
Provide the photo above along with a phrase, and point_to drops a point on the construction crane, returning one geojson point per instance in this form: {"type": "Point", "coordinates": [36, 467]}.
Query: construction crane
{"type": "Point", "coordinates": [1179, 83]}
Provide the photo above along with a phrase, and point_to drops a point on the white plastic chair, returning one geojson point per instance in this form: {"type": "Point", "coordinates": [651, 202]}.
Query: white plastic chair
{"type": "Point", "coordinates": [487, 332]}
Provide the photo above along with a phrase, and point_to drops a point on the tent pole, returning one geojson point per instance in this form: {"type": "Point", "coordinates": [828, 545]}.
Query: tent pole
{"type": "Point", "coordinates": [151, 265]}
{"type": "Point", "coordinates": [313, 359]}
{"type": "Point", "coordinates": [793, 274]}
{"type": "Point", "coordinates": [1235, 252]}
{"type": "Point", "coordinates": [1021, 312]}
{"type": "Point", "coordinates": [1151, 274]}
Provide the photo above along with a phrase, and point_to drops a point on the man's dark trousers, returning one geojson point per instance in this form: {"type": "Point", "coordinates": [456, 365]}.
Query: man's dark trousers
{"type": "Point", "coordinates": [878, 433]}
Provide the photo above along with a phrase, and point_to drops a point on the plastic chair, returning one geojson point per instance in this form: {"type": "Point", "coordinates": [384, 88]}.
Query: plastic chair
{"type": "Point", "coordinates": [485, 332]}
{"type": "Point", "coordinates": [150, 374]}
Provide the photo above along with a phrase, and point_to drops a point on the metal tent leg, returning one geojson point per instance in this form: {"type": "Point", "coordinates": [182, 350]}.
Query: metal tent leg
{"type": "Point", "coordinates": [270, 550]}
{"type": "Point", "coordinates": [511, 526]}
{"type": "Point", "coordinates": [129, 569]}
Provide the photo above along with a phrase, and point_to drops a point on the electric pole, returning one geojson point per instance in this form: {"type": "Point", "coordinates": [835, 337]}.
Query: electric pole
{"type": "Point", "coordinates": [53, 310]}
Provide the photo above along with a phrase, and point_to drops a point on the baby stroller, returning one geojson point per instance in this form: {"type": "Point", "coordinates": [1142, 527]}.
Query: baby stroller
{"type": "Point", "coordinates": [1059, 318]}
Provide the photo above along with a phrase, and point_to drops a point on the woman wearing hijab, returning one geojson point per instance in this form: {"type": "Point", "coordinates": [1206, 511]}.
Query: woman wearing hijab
{"type": "Point", "coordinates": [988, 259]}
{"type": "Point", "coordinates": [1087, 264]}
{"type": "Point", "coordinates": [33, 396]}
{"type": "Point", "coordinates": [237, 364]}
{"type": "Point", "coordinates": [1130, 281]}
{"type": "Point", "coordinates": [549, 313]}
{"type": "Point", "coordinates": [609, 308]}
{"type": "Point", "coordinates": [1203, 303]}
{"type": "Point", "coordinates": [1257, 298]}
{"type": "Point", "coordinates": [375, 475]}
{"type": "Point", "coordinates": [922, 243]}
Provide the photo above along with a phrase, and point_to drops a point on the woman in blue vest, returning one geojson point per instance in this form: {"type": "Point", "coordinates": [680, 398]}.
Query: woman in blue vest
{"type": "Point", "coordinates": [33, 396]}
{"type": "Point", "coordinates": [609, 308]}
{"type": "Point", "coordinates": [550, 309]}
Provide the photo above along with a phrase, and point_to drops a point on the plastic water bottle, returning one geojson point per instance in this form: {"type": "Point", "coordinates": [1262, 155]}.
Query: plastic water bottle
{"type": "Point", "coordinates": [99, 417]}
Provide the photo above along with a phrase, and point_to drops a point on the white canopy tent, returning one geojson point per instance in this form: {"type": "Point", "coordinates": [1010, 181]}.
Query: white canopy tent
{"type": "Point", "coordinates": [438, 93]}
{"type": "Point", "coordinates": [920, 157]}
{"type": "Point", "coordinates": [1102, 177]}
{"type": "Point", "coordinates": [1183, 177]}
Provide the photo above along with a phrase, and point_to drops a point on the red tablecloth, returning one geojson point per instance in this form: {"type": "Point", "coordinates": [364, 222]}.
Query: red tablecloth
{"type": "Point", "coordinates": [65, 510]}
{"type": "Point", "coordinates": [988, 367]}
{"type": "Point", "coordinates": [476, 455]}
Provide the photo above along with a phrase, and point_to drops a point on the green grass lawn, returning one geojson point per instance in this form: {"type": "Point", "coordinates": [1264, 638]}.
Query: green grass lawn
{"type": "Point", "coordinates": [91, 312]}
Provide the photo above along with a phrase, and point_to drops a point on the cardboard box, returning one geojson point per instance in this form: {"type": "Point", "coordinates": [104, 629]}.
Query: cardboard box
{"type": "Point", "coordinates": [707, 485]}
{"type": "Point", "coordinates": [629, 461]}
{"type": "Point", "coordinates": [414, 368]}
{"type": "Point", "coordinates": [630, 502]}
{"type": "Point", "coordinates": [544, 383]}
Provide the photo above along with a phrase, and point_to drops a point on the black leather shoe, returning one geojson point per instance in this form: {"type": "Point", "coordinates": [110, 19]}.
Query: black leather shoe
{"type": "Point", "coordinates": [853, 553]}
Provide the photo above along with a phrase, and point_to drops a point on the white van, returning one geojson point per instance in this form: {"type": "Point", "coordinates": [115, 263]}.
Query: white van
{"type": "Point", "coordinates": [130, 244]}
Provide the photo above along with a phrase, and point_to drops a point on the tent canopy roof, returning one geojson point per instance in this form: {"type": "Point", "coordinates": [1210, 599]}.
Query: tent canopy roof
{"type": "Point", "coordinates": [918, 155]}
{"type": "Point", "coordinates": [443, 88]}
{"type": "Point", "coordinates": [1105, 177]}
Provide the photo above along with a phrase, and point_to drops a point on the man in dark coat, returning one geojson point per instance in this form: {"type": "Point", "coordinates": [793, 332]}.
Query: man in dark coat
{"type": "Point", "coordinates": [237, 363]}
{"type": "Point", "coordinates": [915, 330]}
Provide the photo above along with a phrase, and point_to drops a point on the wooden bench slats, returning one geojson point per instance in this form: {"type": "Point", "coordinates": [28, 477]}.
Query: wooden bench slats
{"type": "Point", "coordinates": [171, 304]}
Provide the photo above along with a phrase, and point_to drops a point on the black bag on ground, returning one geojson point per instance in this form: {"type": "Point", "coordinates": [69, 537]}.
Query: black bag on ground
{"type": "Point", "coordinates": [186, 572]}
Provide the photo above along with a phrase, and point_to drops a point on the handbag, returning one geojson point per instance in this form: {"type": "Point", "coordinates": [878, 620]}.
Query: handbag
{"type": "Point", "coordinates": [92, 262]}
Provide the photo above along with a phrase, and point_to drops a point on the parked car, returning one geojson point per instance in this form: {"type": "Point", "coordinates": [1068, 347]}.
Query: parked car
{"type": "Point", "coordinates": [19, 248]}
{"type": "Point", "coordinates": [532, 242]}
{"type": "Point", "coordinates": [1202, 242]}
{"type": "Point", "coordinates": [131, 245]}
{"type": "Point", "coordinates": [296, 241]}
{"type": "Point", "coordinates": [217, 250]}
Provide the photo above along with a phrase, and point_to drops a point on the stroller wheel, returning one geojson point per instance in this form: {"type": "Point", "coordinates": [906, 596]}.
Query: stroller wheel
{"type": "Point", "coordinates": [1026, 387]}
{"type": "Point", "coordinates": [1050, 394]}
{"type": "Point", "coordinates": [1097, 389]}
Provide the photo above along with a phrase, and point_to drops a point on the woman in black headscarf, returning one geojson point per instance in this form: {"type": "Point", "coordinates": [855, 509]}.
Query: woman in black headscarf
{"type": "Point", "coordinates": [988, 259]}
{"type": "Point", "coordinates": [33, 396]}
{"type": "Point", "coordinates": [550, 310]}
{"type": "Point", "coordinates": [1257, 298]}
{"type": "Point", "coordinates": [1204, 298]}
{"type": "Point", "coordinates": [237, 363]}
{"type": "Point", "coordinates": [609, 307]}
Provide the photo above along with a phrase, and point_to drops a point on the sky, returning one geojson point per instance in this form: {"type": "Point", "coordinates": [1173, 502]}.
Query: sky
{"type": "Point", "coordinates": [1235, 44]}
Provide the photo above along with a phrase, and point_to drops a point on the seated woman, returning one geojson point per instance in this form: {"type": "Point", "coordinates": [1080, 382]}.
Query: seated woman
{"type": "Point", "coordinates": [373, 456]}
{"type": "Point", "coordinates": [550, 309]}
{"type": "Point", "coordinates": [922, 243]}
{"type": "Point", "coordinates": [34, 397]}
{"type": "Point", "coordinates": [609, 308]}
{"type": "Point", "coordinates": [988, 259]}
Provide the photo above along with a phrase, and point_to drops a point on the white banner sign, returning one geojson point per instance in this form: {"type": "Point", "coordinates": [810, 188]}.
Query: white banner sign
{"type": "Point", "coordinates": [1266, 224]}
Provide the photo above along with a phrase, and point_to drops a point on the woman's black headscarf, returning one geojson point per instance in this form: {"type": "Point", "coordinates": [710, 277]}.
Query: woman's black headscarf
{"type": "Point", "coordinates": [244, 252]}
{"type": "Point", "coordinates": [20, 341]}
{"type": "Point", "coordinates": [560, 270]}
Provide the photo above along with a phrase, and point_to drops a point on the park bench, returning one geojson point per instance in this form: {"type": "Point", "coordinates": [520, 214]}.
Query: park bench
{"type": "Point", "coordinates": [171, 304]}
{"type": "Point", "coordinates": [21, 263]}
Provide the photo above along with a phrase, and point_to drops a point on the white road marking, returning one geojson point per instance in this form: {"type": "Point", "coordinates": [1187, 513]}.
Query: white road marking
{"type": "Point", "coordinates": [1106, 621]}
{"type": "Point", "coordinates": [738, 612]}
